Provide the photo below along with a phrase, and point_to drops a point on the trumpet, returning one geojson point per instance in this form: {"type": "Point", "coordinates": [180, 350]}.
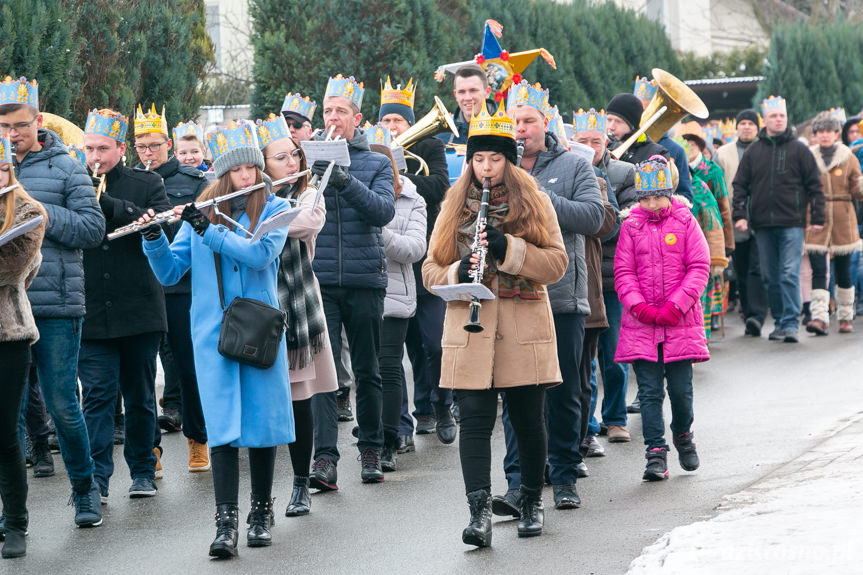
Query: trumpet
{"type": "Point", "coordinates": [519, 152]}
{"type": "Point", "coordinates": [100, 188]}
{"type": "Point", "coordinates": [147, 167]}
{"type": "Point", "coordinates": [169, 217]}
{"type": "Point", "coordinates": [473, 325]}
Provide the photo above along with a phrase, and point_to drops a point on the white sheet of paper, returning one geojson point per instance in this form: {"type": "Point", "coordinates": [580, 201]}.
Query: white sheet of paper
{"type": "Point", "coordinates": [325, 180]}
{"type": "Point", "coordinates": [463, 292]}
{"type": "Point", "coordinates": [275, 222]}
{"type": "Point", "coordinates": [399, 157]}
{"type": "Point", "coordinates": [20, 230]}
{"type": "Point", "coordinates": [327, 151]}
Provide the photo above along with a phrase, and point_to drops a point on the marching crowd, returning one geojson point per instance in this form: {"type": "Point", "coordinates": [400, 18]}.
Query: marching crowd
{"type": "Point", "coordinates": [600, 246]}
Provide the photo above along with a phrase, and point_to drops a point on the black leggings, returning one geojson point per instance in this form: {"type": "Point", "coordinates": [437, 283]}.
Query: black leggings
{"type": "Point", "coordinates": [478, 413]}
{"type": "Point", "coordinates": [15, 359]}
{"type": "Point", "coordinates": [301, 448]}
{"type": "Point", "coordinates": [841, 267]}
{"type": "Point", "coordinates": [226, 472]}
{"type": "Point", "coordinates": [393, 334]}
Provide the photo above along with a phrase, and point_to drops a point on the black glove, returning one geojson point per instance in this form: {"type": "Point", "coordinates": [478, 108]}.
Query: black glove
{"type": "Point", "coordinates": [464, 269]}
{"type": "Point", "coordinates": [496, 243]}
{"type": "Point", "coordinates": [152, 232]}
{"type": "Point", "coordinates": [196, 219]}
{"type": "Point", "coordinates": [107, 203]}
{"type": "Point", "coordinates": [728, 252]}
{"type": "Point", "coordinates": [339, 179]}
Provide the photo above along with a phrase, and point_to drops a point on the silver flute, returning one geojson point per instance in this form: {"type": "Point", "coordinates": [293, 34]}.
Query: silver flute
{"type": "Point", "coordinates": [473, 324]}
{"type": "Point", "coordinates": [519, 152]}
{"type": "Point", "coordinates": [168, 216]}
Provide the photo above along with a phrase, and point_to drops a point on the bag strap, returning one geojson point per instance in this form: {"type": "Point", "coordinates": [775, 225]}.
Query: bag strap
{"type": "Point", "coordinates": [219, 279]}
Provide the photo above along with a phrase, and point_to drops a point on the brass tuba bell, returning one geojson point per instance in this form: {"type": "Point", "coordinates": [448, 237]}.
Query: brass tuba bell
{"type": "Point", "coordinates": [437, 121]}
{"type": "Point", "coordinates": [677, 97]}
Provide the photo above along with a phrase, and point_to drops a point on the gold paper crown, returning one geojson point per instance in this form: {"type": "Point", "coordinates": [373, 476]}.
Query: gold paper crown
{"type": "Point", "coordinates": [151, 122]}
{"type": "Point", "coordinates": [484, 124]}
{"type": "Point", "coordinates": [390, 95]}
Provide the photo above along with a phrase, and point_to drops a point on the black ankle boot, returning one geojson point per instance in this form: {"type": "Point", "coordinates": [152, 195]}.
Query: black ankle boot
{"type": "Point", "coordinates": [686, 453]}
{"type": "Point", "coordinates": [532, 515]}
{"type": "Point", "coordinates": [301, 501]}
{"type": "Point", "coordinates": [478, 531]}
{"type": "Point", "coordinates": [13, 478]}
{"type": "Point", "coordinates": [224, 546]}
{"type": "Point", "coordinates": [16, 544]}
{"type": "Point", "coordinates": [260, 520]}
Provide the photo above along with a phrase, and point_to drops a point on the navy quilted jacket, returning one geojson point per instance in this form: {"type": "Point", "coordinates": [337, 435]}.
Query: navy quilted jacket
{"type": "Point", "coordinates": [349, 251]}
{"type": "Point", "coordinates": [75, 222]}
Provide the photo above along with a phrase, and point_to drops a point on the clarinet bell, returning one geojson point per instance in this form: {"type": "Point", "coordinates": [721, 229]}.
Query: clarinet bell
{"type": "Point", "coordinates": [473, 325]}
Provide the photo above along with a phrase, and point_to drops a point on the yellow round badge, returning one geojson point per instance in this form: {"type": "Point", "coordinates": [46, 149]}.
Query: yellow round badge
{"type": "Point", "coordinates": [670, 239]}
{"type": "Point", "coordinates": [837, 172]}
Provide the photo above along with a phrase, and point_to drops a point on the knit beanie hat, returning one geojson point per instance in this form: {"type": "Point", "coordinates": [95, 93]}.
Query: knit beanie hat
{"type": "Point", "coordinates": [238, 157]}
{"type": "Point", "coordinates": [748, 114]}
{"type": "Point", "coordinates": [627, 107]}
{"type": "Point", "coordinates": [402, 110]}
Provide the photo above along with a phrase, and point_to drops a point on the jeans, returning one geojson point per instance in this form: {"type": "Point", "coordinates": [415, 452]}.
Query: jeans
{"type": "Point", "coordinates": [361, 311]}
{"type": "Point", "coordinates": [615, 376]}
{"type": "Point", "coordinates": [105, 367]}
{"type": "Point", "coordinates": [753, 298]}
{"type": "Point", "coordinates": [588, 384]}
{"type": "Point", "coordinates": [651, 394]}
{"type": "Point", "coordinates": [423, 343]}
{"type": "Point", "coordinates": [180, 343]}
{"type": "Point", "coordinates": [780, 251]}
{"type": "Point", "coordinates": [563, 409]}
{"type": "Point", "coordinates": [390, 360]}
{"type": "Point", "coordinates": [593, 424]}
{"type": "Point", "coordinates": [56, 359]}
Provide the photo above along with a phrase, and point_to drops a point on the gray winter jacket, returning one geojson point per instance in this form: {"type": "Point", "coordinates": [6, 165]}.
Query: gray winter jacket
{"type": "Point", "coordinates": [75, 222]}
{"type": "Point", "coordinates": [405, 243]}
{"type": "Point", "coordinates": [622, 178]}
{"type": "Point", "coordinates": [570, 183]}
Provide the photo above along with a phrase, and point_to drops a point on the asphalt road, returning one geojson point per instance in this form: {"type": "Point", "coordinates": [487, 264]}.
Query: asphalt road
{"type": "Point", "coordinates": [758, 404]}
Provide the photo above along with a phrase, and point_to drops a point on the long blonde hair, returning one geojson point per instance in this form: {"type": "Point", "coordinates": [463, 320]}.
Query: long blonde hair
{"type": "Point", "coordinates": [7, 211]}
{"type": "Point", "coordinates": [255, 201]}
{"type": "Point", "coordinates": [526, 217]}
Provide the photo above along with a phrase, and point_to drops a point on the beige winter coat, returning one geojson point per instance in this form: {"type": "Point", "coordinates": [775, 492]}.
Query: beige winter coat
{"type": "Point", "coordinates": [517, 346]}
{"type": "Point", "coordinates": [841, 184]}
{"type": "Point", "coordinates": [19, 263]}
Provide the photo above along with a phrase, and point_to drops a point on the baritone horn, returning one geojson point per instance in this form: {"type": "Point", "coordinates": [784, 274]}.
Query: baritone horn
{"type": "Point", "coordinates": [679, 101]}
{"type": "Point", "coordinates": [437, 121]}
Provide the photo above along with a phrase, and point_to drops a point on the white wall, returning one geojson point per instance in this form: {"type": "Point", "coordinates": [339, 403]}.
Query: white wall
{"type": "Point", "coordinates": [228, 24]}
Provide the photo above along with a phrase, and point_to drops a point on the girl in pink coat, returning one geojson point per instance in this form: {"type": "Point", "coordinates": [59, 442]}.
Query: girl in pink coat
{"type": "Point", "coordinates": [661, 268]}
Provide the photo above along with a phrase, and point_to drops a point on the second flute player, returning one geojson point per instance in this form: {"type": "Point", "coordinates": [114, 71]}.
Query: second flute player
{"type": "Point", "coordinates": [516, 351]}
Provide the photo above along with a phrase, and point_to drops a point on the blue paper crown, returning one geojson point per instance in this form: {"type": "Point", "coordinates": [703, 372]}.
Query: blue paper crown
{"type": "Point", "coordinates": [232, 136]}
{"type": "Point", "coordinates": [5, 150]}
{"type": "Point", "coordinates": [555, 124]}
{"type": "Point", "coordinates": [301, 105]}
{"type": "Point", "coordinates": [272, 129]}
{"type": "Point", "coordinates": [378, 134]}
{"type": "Point", "coordinates": [653, 175]}
{"type": "Point", "coordinates": [525, 94]}
{"type": "Point", "coordinates": [19, 91]}
{"type": "Point", "coordinates": [590, 121]}
{"type": "Point", "coordinates": [78, 154]}
{"type": "Point", "coordinates": [713, 133]}
{"type": "Point", "coordinates": [839, 114]}
{"type": "Point", "coordinates": [771, 104]}
{"type": "Point", "coordinates": [644, 89]}
{"type": "Point", "coordinates": [107, 123]}
{"type": "Point", "coordinates": [190, 128]}
{"type": "Point", "coordinates": [346, 88]}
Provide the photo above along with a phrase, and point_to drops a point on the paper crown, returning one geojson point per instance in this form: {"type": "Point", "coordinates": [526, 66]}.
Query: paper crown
{"type": "Point", "coordinates": [589, 121]}
{"type": "Point", "coordinates": [771, 104]}
{"type": "Point", "coordinates": [644, 89]}
{"type": "Point", "coordinates": [300, 105]}
{"type": "Point", "coordinates": [484, 124]}
{"type": "Point", "coordinates": [190, 128]}
{"type": "Point", "coordinates": [397, 95]}
{"type": "Point", "coordinates": [839, 114]}
{"type": "Point", "coordinates": [346, 88]}
{"type": "Point", "coordinates": [653, 175]}
{"type": "Point", "coordinates": [555, 125]}
{"type": "Point", "coordinates": [5, 150]}
{"type": "Point", "coordinates": [272, 129]}
{"type": "Point", "coordinates": [525, 94]}
{"type": "Point", "coordinates": [727, 129]}
{"type": "Point", "coordinates": [19, 91]}
{"type": "Point", "coordinates": [107, 123]}
{"type": "Point", "coordinates": [378, 134]}
{"type": "Point", "coordinates": [502, 68]}
{"type": "Point", "coordinates": [713, 132]}
{"type": "Point", "coordinates": [234, 135]}
{"type": "Point", "coordinates": [78, 154]}
{"type": "Point", "coordinates": [151, 122]}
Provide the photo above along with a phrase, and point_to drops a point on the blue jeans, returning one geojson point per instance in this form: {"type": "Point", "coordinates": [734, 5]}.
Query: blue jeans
{"type": "Point", "coordinates": [593, 424]}
{"type": "Point", "coordinates": [615, 376]}
{"type": "Point", "coordinates": [780, 251]}
{"type": "Point", "coordinates": [651, 394]}
{"type": "Point", "coordinates": [56, 358]}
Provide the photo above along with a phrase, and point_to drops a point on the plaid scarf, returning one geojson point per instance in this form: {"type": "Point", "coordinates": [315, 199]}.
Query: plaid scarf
{"type": "Point", "coordinates": [298, 297]}
{"type": "Point", "coordinates": [509, 286]}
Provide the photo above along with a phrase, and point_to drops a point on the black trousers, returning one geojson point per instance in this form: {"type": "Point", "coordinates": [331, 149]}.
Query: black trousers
{"type": "Point", "coordinates": [753, 296]}
{"type": "Point", "coordinates": [393, 335]}
{"type": "Point", "coordinates": [226, 473]}
{"type": "Point", "coordinates": [37, 414]}
{"type": "Point", "coordinates": [15, 362]}
{"type": "Point", "coordinates": [478, 412]}
{"type": "Point", "coordinates": [841, 267]}
{"type": "Point", "coordinates": [304, 428]}
{"type": "Point", "coordinates": [588, 353]}
{"type": "Point", "coordinates": [180, 342]}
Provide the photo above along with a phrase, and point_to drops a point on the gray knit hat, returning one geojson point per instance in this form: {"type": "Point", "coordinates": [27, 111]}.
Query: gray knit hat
{"type": "Point", "coordinates": [236, 157]}
{"type": "Point", "coordinates": [826, 122]}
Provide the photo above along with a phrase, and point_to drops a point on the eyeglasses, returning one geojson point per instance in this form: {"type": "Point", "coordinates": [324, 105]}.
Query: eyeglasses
{"type": "Point", "coordinates": [17, 127]}
{"type": "Point", "coordinates": [283, 157]}
{"type": "Point", "coordinates": [141, 148]}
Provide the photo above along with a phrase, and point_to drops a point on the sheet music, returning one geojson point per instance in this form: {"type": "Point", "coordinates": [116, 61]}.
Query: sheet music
{"type": "Point", "coordinates": [462, 292]}
{"type": "Point", "coordinates": [399, 157]}
{"type": "Point", "coordinates": [20, 230]}
{"type": "Point", "coordinates": [275, 222]}
{"type": "Point", "coordinates": [327, 151]}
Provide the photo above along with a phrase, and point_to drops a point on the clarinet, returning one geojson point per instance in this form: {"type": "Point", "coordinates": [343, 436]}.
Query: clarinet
{"type": "Point", "coordinates": [472, 324]}
{"type": "Point", "coordinates": [519, 152]}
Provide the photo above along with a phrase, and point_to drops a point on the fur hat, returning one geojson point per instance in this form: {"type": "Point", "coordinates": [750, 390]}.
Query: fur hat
{"type": "Point", "coordinates": [825, 122]}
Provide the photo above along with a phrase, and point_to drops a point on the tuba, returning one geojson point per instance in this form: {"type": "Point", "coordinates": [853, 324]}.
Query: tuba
{"type": "Point", "coordinates": [678, 98]}
{"type": "Point", "coordinates": [68, 132]}
{"type": "Point", "coordinates": [438, 120]}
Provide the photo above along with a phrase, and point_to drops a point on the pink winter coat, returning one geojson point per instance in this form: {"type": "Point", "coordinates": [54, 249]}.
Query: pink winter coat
{"type": "Point", "coordinates": [661, 257]}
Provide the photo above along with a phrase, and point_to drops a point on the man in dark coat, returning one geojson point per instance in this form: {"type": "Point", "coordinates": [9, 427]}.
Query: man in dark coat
{"type": "Point", "coordinates": [125, 317]}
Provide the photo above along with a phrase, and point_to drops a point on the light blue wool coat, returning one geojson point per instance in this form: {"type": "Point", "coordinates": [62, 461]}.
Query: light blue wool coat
{"type": "Point", "coordinates": [243, 406]}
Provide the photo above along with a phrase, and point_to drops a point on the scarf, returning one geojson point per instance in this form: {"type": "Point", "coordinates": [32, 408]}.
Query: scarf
{"type": "Point", "coordinates": [298, 297]}
{"type": "Point", "coordinates": [509, 286]}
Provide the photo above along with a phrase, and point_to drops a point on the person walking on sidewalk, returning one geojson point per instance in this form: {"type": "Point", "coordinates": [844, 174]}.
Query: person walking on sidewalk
{"type": "Point", "coordinates": [661, 268]}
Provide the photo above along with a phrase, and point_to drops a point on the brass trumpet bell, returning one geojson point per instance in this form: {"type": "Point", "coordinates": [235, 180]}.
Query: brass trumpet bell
{"type": "Point", "coordinates": [436, 121]}
{"type": "Point", "coordinates": [678, 98]}
{"type": "Point", "coordinates": [68, 132]}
